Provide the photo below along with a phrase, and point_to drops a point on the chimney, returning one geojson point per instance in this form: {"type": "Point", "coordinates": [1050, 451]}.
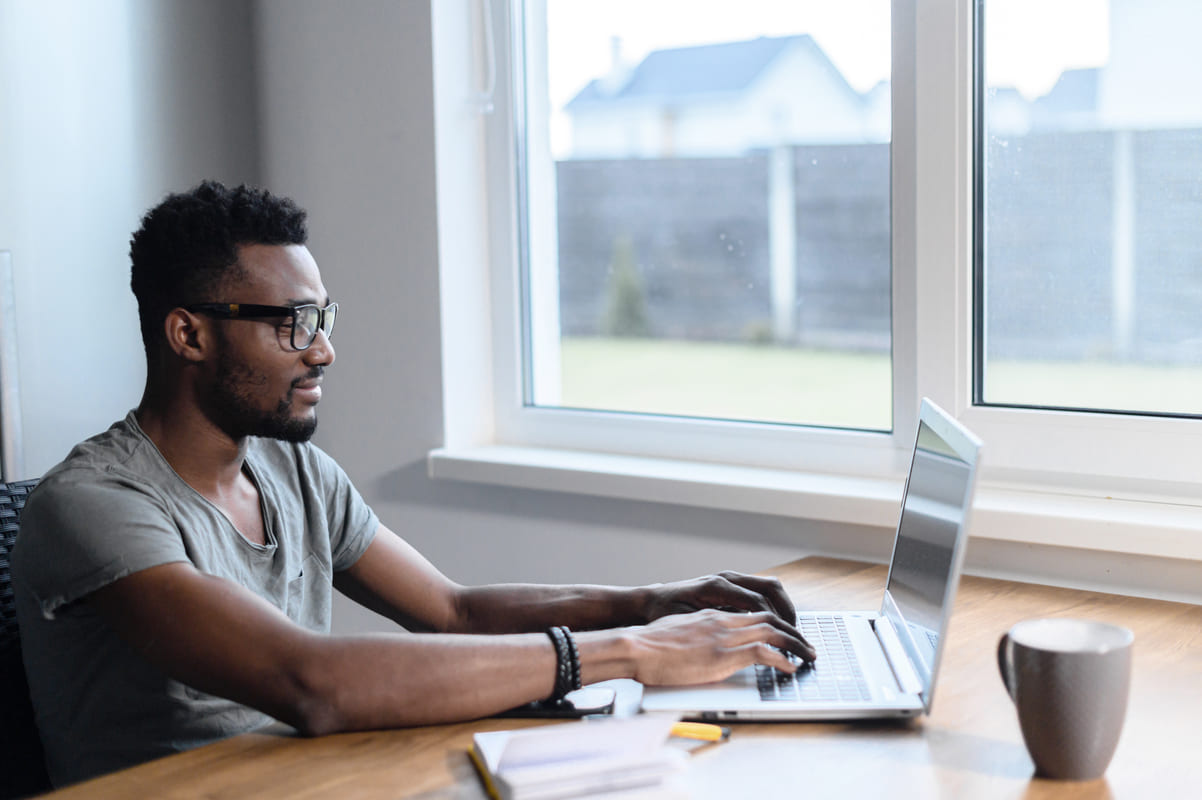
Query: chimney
{"type": "Point", "coordinates": [619, 72]}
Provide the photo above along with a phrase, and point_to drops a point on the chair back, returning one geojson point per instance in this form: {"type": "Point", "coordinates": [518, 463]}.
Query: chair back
{"type": "Point", "coordinates": [22, 766]}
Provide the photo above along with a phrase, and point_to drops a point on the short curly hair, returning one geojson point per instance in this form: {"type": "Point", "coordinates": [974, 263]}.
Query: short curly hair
{"type": "Point", "coordinates": [188, 244]}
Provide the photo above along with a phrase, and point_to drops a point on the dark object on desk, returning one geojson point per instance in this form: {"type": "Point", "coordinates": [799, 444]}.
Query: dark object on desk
{"type": "Point", "coordinates": [586, 702]}
{"type": "Point", "coordinates": [22, 767]}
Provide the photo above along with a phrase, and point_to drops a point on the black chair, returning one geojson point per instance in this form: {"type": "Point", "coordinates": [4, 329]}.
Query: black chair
{"type": "Point", "coordinates": [22, 766]}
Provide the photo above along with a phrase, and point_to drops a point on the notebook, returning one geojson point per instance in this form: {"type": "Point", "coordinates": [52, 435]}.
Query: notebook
{"type": "Point", "coordinates": [870, 664]}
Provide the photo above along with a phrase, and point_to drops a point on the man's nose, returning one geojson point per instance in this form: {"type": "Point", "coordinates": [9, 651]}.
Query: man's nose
{"type": "Point", "coordinates": [321, 351]}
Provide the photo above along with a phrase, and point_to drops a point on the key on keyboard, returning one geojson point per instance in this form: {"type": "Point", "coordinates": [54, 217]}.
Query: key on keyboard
{"type": "Point", "coordinates": [834, 676]}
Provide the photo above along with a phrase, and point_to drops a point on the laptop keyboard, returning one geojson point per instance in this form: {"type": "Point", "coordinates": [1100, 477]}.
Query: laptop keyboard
{"type": "Point", "coordinates": [835, 676]}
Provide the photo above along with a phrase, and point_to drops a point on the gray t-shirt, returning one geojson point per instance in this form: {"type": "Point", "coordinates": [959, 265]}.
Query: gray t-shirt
{"type": "Point", "coordinates": [114, 507]}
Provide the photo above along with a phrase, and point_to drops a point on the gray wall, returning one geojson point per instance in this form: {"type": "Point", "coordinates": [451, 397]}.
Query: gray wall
{"type": "Point", "coordinates": [104, 107]}
{"type": "Point", "coordinates": [1168, 243]}
{"type": "Point", "coordinates": [1049, 221]}
{"type": "Point", "coordinates": [1051, 248]}
{"type": "Point", "coordinates": [698, 230]}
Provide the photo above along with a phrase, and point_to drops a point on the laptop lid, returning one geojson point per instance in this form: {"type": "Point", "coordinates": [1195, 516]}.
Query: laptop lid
{"type": "Point", "coordinates": [928, 549]}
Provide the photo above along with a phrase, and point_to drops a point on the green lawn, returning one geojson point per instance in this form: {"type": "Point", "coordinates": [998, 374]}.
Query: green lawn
{"type": "Point", "coordinates": [815, 387]}
{"type": "Point", "coordinates": [1097, 384]}
{"type": "Point", "coordinates": [729, 381]}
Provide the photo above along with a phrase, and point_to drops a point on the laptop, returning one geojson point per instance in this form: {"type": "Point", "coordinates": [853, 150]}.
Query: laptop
{"type": "Point", "coordinates": [870, 664]}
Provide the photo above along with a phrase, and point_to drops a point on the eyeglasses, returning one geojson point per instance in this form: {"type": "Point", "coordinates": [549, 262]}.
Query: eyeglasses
{"type": "Point", "coordinates": [306, 320]}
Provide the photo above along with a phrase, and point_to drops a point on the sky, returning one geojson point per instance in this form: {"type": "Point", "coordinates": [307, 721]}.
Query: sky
{"type": "Point", "coordinates": [1030, 42]}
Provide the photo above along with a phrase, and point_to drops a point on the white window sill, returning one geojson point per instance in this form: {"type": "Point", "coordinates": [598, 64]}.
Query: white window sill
{"type": "Point", "coordinates": [1158, 527]}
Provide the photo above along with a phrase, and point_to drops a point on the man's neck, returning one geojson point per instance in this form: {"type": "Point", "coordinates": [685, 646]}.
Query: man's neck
{"type": "Point", "coordinates": [205, 456]}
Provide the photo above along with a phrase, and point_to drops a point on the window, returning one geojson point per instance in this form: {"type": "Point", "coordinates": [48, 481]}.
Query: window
{"type": "Point", "coordinates": [707, 227]}
{"type": "Point", "coordinates": [949, 337]}
{"type": "Point", "coordinates": [1090, 252]}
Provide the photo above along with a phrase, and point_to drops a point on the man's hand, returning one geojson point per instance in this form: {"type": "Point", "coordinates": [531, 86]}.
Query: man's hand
{"type": "Point", "coordinates": [731, 591]}
{"type": "Point", "coordinates": [709, 645]}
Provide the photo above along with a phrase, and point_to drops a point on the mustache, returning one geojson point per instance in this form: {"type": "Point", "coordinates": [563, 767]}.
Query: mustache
{"type": "Point", "coordinates": [313, 374]}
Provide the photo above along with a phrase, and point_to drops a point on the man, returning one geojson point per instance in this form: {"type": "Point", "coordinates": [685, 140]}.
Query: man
{"type": "Point", "coordinates": [174, 573]}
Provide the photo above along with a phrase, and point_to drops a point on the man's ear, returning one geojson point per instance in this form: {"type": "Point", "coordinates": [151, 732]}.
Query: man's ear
{"type": "Point", "coordinates": [188, 335]}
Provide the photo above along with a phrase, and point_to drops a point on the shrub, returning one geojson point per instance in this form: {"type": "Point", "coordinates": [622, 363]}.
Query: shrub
{"type": "Point", "coordinates": [625, 300]}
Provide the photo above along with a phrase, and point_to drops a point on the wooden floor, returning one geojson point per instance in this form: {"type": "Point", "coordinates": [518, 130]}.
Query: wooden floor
{"type": "Point", "coordinates": [970, 747]}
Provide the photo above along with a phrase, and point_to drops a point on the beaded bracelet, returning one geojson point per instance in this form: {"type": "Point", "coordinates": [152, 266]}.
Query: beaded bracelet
{"type": "Point", "coordinates": [575, 654]}
{"type": "Point", "coordinates": [567, 662]}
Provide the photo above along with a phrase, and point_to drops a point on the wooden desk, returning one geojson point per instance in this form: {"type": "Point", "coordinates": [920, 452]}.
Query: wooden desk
{"type": "Point", "coordinates": [970, 747]}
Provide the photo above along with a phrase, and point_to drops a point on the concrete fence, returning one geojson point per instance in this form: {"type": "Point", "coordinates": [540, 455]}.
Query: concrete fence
{"type": "Point", "coordinates": [1093, 245]}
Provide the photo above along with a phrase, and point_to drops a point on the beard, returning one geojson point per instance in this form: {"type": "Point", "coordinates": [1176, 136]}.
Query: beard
{"type": "Point", "coordinates": [237, 414]}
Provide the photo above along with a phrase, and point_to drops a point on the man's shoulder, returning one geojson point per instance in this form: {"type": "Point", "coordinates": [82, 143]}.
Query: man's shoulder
{"type": "Point", "coordinates": [104, 512]}
{"type": "Point", "coordinates": [123, 447]}
{"type": "Point", "coordinates": [121, 455]}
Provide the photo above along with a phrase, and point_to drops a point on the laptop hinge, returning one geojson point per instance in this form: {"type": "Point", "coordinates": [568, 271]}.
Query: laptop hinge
{"type": "Point", "coordinates": [907, 678]}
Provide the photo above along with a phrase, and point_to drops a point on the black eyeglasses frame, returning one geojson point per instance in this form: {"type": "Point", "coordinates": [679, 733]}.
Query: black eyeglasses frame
{"type": "Point", "coordinates": [255, 311]}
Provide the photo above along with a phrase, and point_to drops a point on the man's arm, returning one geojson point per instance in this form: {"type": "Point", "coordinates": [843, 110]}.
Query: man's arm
{"type": "Point", "coordinates": [221, 638]}
{"type": "Point", "coordinates": [395, 580]}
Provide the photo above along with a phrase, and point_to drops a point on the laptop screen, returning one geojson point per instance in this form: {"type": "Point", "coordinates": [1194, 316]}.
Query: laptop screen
{"type": "Point", "coordinates": [929, 544]}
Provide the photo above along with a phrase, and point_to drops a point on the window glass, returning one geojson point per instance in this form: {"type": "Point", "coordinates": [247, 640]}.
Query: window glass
{"type": "Point", "coordinates": [705, 208]}
{"type": "Point", "coordinates": [1091, 285]}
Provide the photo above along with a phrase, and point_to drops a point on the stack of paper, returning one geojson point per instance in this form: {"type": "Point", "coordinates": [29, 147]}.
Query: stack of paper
{"type": "Point", "coordinates": [611, 758]}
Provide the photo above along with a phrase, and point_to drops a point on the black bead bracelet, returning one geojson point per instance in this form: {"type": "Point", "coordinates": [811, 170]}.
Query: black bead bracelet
{"type": "Point", "coordinates": [567, 662]}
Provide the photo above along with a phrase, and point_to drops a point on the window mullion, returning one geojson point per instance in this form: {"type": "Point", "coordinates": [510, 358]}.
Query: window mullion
{"type": "Point", "coordinates": [943, 167]}
{"type": "Point", "coordinates": [503, 203]}
{"type": "Point", "coordinates": [906, 392]}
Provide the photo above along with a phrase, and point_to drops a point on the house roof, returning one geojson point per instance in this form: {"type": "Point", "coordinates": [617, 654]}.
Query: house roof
{"type": "Point", "coordinates": [689, 73]}
{"type": "Point", "coordinates": [1075, 91]}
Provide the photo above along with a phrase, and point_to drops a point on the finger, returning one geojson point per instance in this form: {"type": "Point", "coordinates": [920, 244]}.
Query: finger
{"type": "Point", "coordinates": [767, 627]}
{"type": "Point", "coordinates": [770, 589]}
{"type": "Point", "coordinates": [800, 648]}
{"type": "Point", "coordinates": [769, 656]}
{"type": "Point", "coordinates": [805, 650]}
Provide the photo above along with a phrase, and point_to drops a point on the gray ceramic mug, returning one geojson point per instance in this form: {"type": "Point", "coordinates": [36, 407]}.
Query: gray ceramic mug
{"type": "Point", "coordinates": [1069, 680]}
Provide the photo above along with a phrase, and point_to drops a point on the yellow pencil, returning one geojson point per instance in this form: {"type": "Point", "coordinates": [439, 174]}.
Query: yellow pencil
{"type": "Point", "coordinates": [701, 730]}
{"type": "Point", "coordinates": [490, 786]}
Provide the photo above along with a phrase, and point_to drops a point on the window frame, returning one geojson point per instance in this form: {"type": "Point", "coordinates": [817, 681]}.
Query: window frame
{"type": "Point", "coordinates": [754, 444]}
{"type": "Point", "coordinates": [1145, 455]}
{"type": "Point", "coordinates": [1143, 458]}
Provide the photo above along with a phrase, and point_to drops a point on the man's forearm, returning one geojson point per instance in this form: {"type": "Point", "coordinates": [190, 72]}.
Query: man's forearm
{"type": "Point", "coordinates": [505, 608]}
{"type": "Point", "coordinates": [512, 608]}
{"type": "Point", "coordinates": [356, 683]}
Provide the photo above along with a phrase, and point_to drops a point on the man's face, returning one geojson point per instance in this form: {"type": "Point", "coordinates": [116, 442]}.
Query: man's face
{"type": "Point", "coordinates": [261, 386]}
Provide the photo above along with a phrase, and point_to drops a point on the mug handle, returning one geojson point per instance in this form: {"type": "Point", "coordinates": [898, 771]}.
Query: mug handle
{"type": "Point", "coordinates": [1005, 664]}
